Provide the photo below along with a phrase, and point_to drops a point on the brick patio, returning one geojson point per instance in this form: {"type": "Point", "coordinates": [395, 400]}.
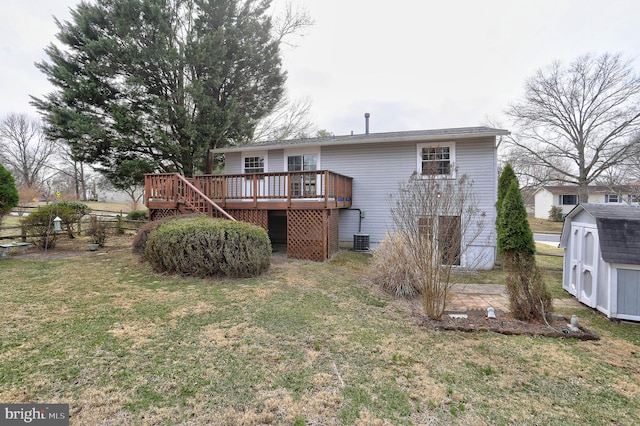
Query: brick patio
{"type": "Point", "coordinates": [482, 296]}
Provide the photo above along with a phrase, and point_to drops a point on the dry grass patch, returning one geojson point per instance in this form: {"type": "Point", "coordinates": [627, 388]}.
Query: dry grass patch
{"type": "Point", "coordinates": [308, 343]}
{"type": "Point", "coordinates": [544, 226]}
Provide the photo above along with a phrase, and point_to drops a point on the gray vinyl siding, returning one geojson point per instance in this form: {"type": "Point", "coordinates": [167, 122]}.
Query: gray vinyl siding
{"type": "Point", "coordinates": [628, 292]}
{"type": "Point", "coordinates": [378, 169]}
{"type": "Point", "coordinates": [275, 161]}
{"type": "Point", "coordinates": [477, 158]}
{"type": "Point", "coordinates": [232, 163]}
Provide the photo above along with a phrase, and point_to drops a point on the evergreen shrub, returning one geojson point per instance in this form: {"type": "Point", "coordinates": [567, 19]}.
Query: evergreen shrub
{"type": "Point", "coordinates": [202, 246]}
{"type": "Point", "coordinates": [555, 214]}
{"type": "Point", "coordinates": [141, 237]}
{"type": "Point", "coordinates": [529, 298]}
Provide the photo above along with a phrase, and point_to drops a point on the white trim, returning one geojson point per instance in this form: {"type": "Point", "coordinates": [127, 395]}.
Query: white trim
{"type": "Point", "coordinates": [452, 156]}
{"type": "Point", "coordinates": [262, 154]}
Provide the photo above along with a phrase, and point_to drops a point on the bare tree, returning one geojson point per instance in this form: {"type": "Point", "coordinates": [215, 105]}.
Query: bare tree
{"type": "Point", "coordinates": [437, 223]}
{"type": "Point", "coordinates": [73, 169]}
{"type": "Point", "coordinates": [290, 22]}
{"type": "Point", "coordinates": [133, 190]}
{"type": "Point", "coordinates": [289, 119]}
{"type": "Point", "coordinates": [579, 120]}
{"type": "Point", "coordinates": [532, 173]}
{"type": "Point", "coordinates": [624, 180]}
{"type": "Point", "coordinates": [25, 149]}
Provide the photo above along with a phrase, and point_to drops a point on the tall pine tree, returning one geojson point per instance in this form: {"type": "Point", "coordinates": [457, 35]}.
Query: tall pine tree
{"type": "Point", "coordinates": [514, 233]}
{"type": "Point", "coordinates": [504, 182]}
{"type": "Point", "coordinates": [161, 81]}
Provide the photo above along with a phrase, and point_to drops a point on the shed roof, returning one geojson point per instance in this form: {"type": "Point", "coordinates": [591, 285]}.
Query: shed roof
{"type": "Point", "coordinates": [618, 231]}
{"type": "Point", "coordinates": [413, 135]}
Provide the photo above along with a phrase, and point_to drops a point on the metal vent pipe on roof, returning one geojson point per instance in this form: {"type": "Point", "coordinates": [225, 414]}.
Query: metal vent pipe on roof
{"type": "Point", "coordinates": [366, 123]}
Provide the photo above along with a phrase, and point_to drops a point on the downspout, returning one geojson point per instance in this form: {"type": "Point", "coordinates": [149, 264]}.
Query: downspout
{"type": "Point", "coordinates": [359, 219]}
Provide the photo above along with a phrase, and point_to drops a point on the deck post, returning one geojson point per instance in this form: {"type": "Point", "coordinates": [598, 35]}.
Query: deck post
{"type": "Point", "coordinates": [326, 188]}
{"type": "Point", "coordinates": [255, 190]}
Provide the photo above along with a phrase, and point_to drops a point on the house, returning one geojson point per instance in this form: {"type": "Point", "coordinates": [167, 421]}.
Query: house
{"type": "Point", "coordinates": [315, 194]}
{"type": "Point", "coordinates": [602, 258]}
{"type": "Point", "coordinates": [566, 197]}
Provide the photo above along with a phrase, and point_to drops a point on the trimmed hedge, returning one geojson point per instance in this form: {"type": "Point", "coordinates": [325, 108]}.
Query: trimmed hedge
{"type": "Point", "coordinates": [141, 237]}
{"type": "Point", "coordinates": [202, 246]}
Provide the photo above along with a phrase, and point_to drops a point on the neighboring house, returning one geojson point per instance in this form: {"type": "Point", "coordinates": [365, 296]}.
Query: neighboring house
{"type": "Point", "coordinates": [114, 196]}
{"type": "Point", "coordinates": [315, 194]}
{"type": "Point", "coordinates": [602, 258]}
{"type": "Point", "coordinates": [566, 197]}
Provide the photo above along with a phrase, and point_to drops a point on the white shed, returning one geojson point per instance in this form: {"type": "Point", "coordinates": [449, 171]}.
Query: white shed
{"type": "Point", "coordinates": [602, 258]}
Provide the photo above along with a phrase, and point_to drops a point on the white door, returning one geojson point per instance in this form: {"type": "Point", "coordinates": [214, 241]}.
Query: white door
{"type": "Point", "coordinates": [583, 263]}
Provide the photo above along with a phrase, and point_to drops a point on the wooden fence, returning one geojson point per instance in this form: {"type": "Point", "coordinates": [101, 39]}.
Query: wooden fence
{"type": "Point", "coordinates": [113, 220]}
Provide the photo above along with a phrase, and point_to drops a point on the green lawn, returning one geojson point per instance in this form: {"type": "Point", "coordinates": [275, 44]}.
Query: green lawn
{"type": "Point", "coordinates": [307, 343]}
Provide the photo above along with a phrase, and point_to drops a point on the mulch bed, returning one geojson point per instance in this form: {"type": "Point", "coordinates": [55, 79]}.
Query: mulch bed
{"type": "Point", "coordinates": [506, 324]}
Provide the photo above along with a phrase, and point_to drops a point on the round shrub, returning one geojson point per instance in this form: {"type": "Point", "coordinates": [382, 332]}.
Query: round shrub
{"type": "Point", "coordinates": [202, 246]}
{"type": "Point", "coordinates": [140, 240]}
{"type": "Point", "coordinates": [141, 237]}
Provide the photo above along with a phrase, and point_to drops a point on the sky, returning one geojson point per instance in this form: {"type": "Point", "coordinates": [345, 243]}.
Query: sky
{"type": "Point", "coordinates": [413, 65]}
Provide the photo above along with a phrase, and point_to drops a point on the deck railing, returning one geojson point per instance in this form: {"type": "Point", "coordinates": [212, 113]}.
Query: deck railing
{"type": "Point", "coordinates": [333, 189]}
{"type": "Point", "coordinates": [172, 187]}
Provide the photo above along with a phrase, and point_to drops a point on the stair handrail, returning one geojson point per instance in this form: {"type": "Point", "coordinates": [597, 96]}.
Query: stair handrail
{"type": "Point", "coordinates": [203, 196]}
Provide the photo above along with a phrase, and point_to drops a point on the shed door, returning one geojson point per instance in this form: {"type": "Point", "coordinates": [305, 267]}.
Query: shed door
{"type": "Point", "coordinates": [583, 262]}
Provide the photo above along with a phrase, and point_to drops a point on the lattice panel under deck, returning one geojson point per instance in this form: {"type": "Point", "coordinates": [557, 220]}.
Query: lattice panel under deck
{"type": "Point", "coordinates": [157, 214]}
{"type": "Point", "coordinates": [306, 237]}
{"type": "Point", "coordinates": [257, 217]}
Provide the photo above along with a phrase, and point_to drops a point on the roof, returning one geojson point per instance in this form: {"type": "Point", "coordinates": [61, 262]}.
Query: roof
{"type": "Point", "coordinates": [414, 135]}
{"type": "Point", "coordinates": [618, 231]}
{"type": "Point", "coordinates": [593, 189]}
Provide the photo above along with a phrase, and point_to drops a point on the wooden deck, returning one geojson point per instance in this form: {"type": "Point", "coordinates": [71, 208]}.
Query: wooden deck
{"type": "Point", "coordinates": [321, 189]}
{"type": "Point", "coordinates": [299, 206]}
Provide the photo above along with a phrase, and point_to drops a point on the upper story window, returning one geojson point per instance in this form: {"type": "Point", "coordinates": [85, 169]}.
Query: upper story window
{"type": "Point", "coordinates": [568, 200]}
{"type": "Point", "coordinates": [634, 198]}
{"type": "Point", "coordinates": [436, 159]}
{"type": "Point", "coordinates": [612, 198]}
{"type": "Point", "coordinates": [254, 164]}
